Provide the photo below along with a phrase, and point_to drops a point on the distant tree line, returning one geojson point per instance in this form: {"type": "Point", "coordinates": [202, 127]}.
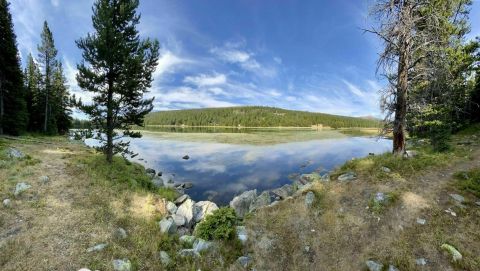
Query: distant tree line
{"type": "Point", "coordinates": [254, 116]}
{"type": "Point", "coordinates": [36, 100]}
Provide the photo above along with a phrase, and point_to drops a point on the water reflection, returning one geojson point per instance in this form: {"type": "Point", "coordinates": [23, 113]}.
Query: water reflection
{"type": "Point", "coordinates": [219, 171]}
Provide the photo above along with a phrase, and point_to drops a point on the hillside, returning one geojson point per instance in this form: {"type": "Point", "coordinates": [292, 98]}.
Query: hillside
{"type": "Point", "coordinates": [254, 116]}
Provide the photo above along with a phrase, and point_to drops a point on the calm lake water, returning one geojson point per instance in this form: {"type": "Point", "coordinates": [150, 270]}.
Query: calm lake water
{"type": "Point", "coordinates": [225, 164]}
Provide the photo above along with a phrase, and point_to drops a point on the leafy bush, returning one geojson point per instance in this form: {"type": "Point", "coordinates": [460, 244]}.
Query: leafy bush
{"type": "Point", "coordinates": [469, 181]}
{"type": "Point", "coordinates": [219, 225]}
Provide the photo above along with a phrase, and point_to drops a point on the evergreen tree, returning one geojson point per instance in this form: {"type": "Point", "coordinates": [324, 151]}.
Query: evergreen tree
{"type": "Point", "coordinates": [61, 101]}
{"type": "Point", "coordinates": [13, 112]}
{"type": "Point", "coordinates": [47, 54]}
{"type": "Point", "coordinates": [119, 72]}
{"type": "Point", "coordinates": [35, 104]}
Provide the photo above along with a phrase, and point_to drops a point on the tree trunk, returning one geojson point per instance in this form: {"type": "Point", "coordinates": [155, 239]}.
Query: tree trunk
{"type": "Point", "coordinates": [47, 86]}
{"type": "Point", "coordinates": [2, 110]}
{"type": "Point", "coordinates": [109, 150]}
{"type": "Point", "coordinates": [399, 123]}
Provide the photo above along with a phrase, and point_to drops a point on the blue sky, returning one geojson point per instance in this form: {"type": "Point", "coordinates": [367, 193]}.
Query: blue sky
{"type": "Point", "coordinates": [306, 55]}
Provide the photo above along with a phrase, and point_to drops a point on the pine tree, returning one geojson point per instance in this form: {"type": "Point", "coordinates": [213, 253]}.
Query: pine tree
{"type": "Point", "coordinates": [61, 101]}
{"type": "Point", "coordinates": [119, 72]}
{"type": "Point", "coordinates": [13, 112]}
{"type": "Point", "coordinates": [47, 54]}
{"type": "Point", "coordinates": [32, 78]}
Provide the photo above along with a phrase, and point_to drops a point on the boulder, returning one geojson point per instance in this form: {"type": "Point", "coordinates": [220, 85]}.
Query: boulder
{"type": "Point", "coordinates": [241, 203]}
{"type": "Point", "coordinates": [164, 258]}
{"type": "Point", "coordinates": [167, 225]}
{"type": "Point", "coordinates": [188, 253]}
{"type": "Point", "coordinates": [122, 265]}
{"type": "Point", "coordinates": [374, 266]}
{"type": "Point", "coordinates": [421, 261]}
{"type": "Point", "coordinates": [349, 176]}
{"type": "Point", "coordinates": [410, 154]}
{"type": "Point", "coordinates": [7, 203]}
{"type": "Point", "coordinates": [181, 231]}
{"type": "Point", "coordinates": [312, 177]}
{"type": "Point", "coordinates": [204, 208]}
{"type": "Point", "coordinates": [242, 234]}
{"type": "Point", "coordinates": [181, 199]}
{"type": "Point", "coordinates": [98, 247]}
{"type": "Point", "coordinates": [179, 220]}
{"type": "Point", "coordinates": [44, 179]}
{"type": "Point", "coordinates": [188, 210]}
{"type": "Point", "coordinates": [15, 154]}
{"type": "Point", "coordinates": [458, 198]}
{"type": "Point", "coordinates": [263, 200]}
{"type": "Point", "coordinates": [158, 182]}
{"type": "Point", "coordinates": [150, 171]}
{"type": "Point", "coordinates": [187, 240]}
{"type": "Point", "coordinates": [201, 245]}
{"type": "Point", "coordinates": [421, 221]}
{"type": "Point", "coordinates": [386, 170]}
{"type": "Point", "coordinates": [456, 255]}
{"type": "Point", "coordinates": [171, 207]}
{"type": "Point", "coordinates": [309, 199]}
{"type": "Point", "coordinates": [244, 261]}
{"type": "Point", "coordinates": [120, 233]}
{"type": "Point", "coordinates": [284, 191]}
{"type": "Point", "coordinates": [20, 187]}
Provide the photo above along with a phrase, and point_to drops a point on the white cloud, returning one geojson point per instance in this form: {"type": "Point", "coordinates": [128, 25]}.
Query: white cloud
{"type": "Point", "coordinates": [168, 63]}
{"type": "Point", "coordinates": [55, 3]}
{"type": "Point", "coordinates": [186, 97]}
{"type": "Point", "coordinates": [206, 80]}
{"type": "Point", "coordinates": [354, 89]}
{"type": "Point", "coordinates": [28, 17]}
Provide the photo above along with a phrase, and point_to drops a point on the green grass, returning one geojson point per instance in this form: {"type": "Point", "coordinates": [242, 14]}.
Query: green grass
{"type": "Point", "coordinates": [470, 130]}
{"type": "Point", "coordinates": [469, 181]}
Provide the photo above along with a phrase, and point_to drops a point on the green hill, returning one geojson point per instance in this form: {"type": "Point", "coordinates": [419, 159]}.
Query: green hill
{"type": "Point", "coordinates": [254, 116]}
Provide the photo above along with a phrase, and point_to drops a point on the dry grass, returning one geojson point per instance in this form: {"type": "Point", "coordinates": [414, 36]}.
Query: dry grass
{"type": "Point", "coordinates": [345, 232]}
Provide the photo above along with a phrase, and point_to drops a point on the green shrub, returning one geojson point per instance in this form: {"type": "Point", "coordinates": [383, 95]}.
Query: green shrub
{"type": "Point", "coordinates": [219, 225]}
{"type": "Point", "coordinates": [469, 181]}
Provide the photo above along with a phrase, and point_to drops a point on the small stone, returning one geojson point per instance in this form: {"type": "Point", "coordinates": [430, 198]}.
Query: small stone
{"type": "Point", "coordinates": [188, 253]}
{"type": "Point", "coordinates": [379, 197]}
{"type": "Point", "coordinates": [179, 219]}
{"type": "Point", "coordinates": [20, 187]}
{"type": "Point", "coordinates": [421, 221]}
{"type": "Point", "coordinates": [187, 240]}
{"type": "Point", "coordinates": [171, 207]}
{"type": "Point", "coordinates": [186, 157]}
{"type": "Point", "coordinates": [201, 245]}
{"type": "Point", "coordinates": [167, 225]}
{"type": "Point", "coordinates": [309, 199]}
{"type": "Point", "coordinates": [477, 203]}
{"type": "Point", "coordinates": [349, 176]}
{"type": "Point", "coordinates": [421, 261]}
{"type": "Point", "coordinates": [122, 265]}
{"type": "Point", "coordinates": [374, 266]}
{"type": "Point", "coordinates": [44, 179]}
{"type": "Point", "coordinates": [120, 233]}
{"type": "Point", "coordinates": [187, 185]}
{"type": "Point", "coordinates": [386, 170]}
{"type": "Point", "coordinates": [242, 234]}
{"type": "Point", "coordinates": [164, 258]}
{"type": "Point", "coordinates": [306, 249]}
{"type": "Point", "coordinates": [449, 211]}
{"type": "Point", "coordinates": [181, 199]}
{"type": "Point", "coordinates": [456, 255]}
{"type": "Point", "coordinates": [98, 247]}
{"type": "Point", "coordinates": [458, 198]}
{"type": "Point", "coordinates": [392, 268]}
{"type": "Point", "coordinates": [84, 269]}
{"type": "Point", "coordinates": [7, 203]}
{"type": "Point", "coordinates": [244, 261]}
{"type": "Point", "coordinates": [14, 153]}
{"type": "Point", "coordinates": [410, 154]}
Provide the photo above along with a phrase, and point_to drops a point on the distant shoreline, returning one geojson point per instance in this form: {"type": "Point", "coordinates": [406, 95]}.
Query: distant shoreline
{"type": "Point", "coordinates": [261, 127]}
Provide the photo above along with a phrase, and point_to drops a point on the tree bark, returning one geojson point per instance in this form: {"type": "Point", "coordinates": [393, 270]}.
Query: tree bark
{"type": "Point", "coordinates": [399, 123]}
{"type": "Point", "coordinates": [109, 150]}
{"type": "Point", "coordinates": [2, 110]}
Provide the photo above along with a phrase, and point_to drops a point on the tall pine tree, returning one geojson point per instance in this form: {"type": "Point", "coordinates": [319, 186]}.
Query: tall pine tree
{"type": "Point", "coordinates": [32, 78]}
{"type": "Point", "coordinates": [47, 57]}
{"type": "Point", "coordinates": [61, 101]}
{"type": "Point", "coordinates": [119, 72]}
{"type": "Point", "coordinates": [13, 111]}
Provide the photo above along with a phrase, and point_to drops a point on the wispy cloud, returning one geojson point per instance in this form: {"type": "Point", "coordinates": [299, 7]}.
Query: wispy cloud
{"type": "Point", "coordinates": [206, 80]}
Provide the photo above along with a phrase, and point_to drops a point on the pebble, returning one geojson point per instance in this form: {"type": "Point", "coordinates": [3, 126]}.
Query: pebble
{"type": "Point", "coordinates": [7, 203]}
{"type": "Point", "coordinates": [120, 233]}
{"type": "Point", "coordinates": [164, 258]}
{"type": "Point", "coordinates": [98, 247]}
{"type": "Point", "coordinates": [421, 261]}
{"type": "Point", "coordinates": [421, 221]}
{"type": "Point", "coordinates": [122, 265]}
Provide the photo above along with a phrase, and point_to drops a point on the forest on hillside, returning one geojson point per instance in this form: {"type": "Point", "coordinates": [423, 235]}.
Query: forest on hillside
{"type": "Point", "coordinates": [254, 116]}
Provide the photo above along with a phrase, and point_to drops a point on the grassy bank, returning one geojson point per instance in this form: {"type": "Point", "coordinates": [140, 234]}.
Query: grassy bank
{"type": "Point", "coordinates": [84, 202]}
{"type": "Point", "coordinates": [348, 226]}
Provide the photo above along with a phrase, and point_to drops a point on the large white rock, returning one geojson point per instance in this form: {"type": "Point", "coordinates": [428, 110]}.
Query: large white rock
{"type": "Point", "coordinates": [201, 245]}
{"type": "Point", "coordinates": [188, 210]}
{"type": "Point", "coordinates": [171, 207]}
{"type": "Point", "coordinates": [179, 219]}
{"type": "Point", "coordinates": [167, 225]}
{"type": "Point", "coordinates": [20, 187]}
{"type": "Point", "coordinates": [204, 208]}
{"type": "Point", "coordinates": [241, 203]}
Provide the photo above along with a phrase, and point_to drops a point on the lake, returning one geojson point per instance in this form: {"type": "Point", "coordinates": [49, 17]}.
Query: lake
{"type": "Point", "coordinates": [224, 163]}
